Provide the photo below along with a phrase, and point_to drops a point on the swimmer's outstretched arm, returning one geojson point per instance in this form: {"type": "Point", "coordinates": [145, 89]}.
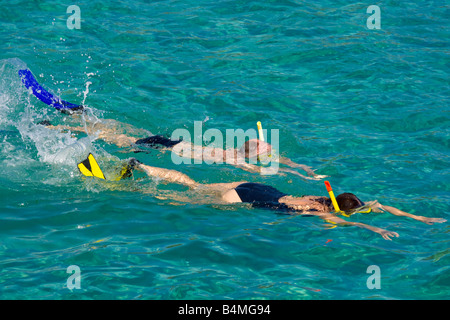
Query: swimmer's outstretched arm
{"type": "Point", "coordinates": [329, 217]}
{"type": "Point", "coordinates": [241, 163]}
{"type": "Point", "coordinates": [378, 207]}
{"type": "Point", "coordinates": [257, 169]}
{"type": "Point", "coordinates": [307, 169]}
{"type": "Point", "coordinates": [314, 176]}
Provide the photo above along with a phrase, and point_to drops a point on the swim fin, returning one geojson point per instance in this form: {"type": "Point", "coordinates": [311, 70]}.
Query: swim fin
{"type": "Point", "coordinates": [90, 168]}
{"type": "Point", "coordinates": [127, 170]}
{"type": "Point", "coordinates": [30, 82]}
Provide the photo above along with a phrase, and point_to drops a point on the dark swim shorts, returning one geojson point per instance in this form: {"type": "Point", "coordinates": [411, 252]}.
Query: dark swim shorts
{"type": "Point", "coordinates": [261, 196]}
{"type": "Point", "coordinates": [157, 142]}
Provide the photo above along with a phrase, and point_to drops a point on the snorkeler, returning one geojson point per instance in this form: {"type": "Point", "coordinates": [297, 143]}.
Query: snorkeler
{"type": "Point", "coordinates": [110, 132]}
{"type": "Point", "coordinates": [264, 196]}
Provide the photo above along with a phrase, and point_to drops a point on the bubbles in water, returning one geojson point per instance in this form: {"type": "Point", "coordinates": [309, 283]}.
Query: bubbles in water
{"type": "Point", "coordinates": [28, 141]}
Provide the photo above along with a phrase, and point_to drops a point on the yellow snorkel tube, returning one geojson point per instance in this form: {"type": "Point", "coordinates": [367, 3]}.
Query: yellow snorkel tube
{"type": "Point", "coordinates": [261, 138]}
{"type": "Point", "coordinates": [260, 131]}
{"type": "Point", "coordinates": [332, 197]}
{"type": "Point", "coordinates": [336, 206]}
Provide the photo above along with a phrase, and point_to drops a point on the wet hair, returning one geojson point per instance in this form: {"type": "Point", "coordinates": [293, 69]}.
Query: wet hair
{"type": "Point", "coordinates": [324, 201]}
{"type": "Point", "coordinates": [348, 201]}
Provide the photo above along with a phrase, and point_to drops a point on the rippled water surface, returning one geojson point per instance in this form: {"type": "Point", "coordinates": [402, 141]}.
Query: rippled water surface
{"type": "Point", "coordinates": [368, 108]}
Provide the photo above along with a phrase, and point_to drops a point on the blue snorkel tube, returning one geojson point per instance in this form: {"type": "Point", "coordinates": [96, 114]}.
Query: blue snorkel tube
{"type": "Point", "coordinates": [30, 82]}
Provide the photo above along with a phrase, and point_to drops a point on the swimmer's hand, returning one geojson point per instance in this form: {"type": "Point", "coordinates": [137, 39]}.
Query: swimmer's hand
{"type": "Point", "coordinates": [305, 168]}
{"type": "Point", "coordinates": [312, 173]}
{"type": "Point", "coordinates": [320, 176]}
{"type": "Point", "coordinates": [387, 234]}
{"type": "Point", "coordinates": [315, 177]}
{"type": "Point", "coordinates": [384, 233]}
{"type": "Point", "coordinates": [431, 220]}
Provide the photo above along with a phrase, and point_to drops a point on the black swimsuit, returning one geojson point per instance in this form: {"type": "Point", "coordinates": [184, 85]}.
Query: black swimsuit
{"type": "Point", "coordinates": [157, 142]}
{"type": "Point", "coordinates": [261, 196]}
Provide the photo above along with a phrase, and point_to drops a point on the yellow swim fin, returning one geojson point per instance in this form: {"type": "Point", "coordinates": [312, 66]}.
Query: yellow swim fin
{"type": "Point", "coordinates": [127, 169]}
{"type": "Point", "coordinates": [125, 172]}
{"type": "Point", "coordinates": [90, 168]}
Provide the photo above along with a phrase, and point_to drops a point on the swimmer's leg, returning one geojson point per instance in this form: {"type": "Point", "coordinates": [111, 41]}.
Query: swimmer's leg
{"type": "Point", "coordinates": [109, 136]}
{"type": "Point", "coordinates": [167, 175]}
{"type": "Point", "coordinates": [226, 191]}
{"type": "Point", "coordinates": [181, 178]}
{"type": "Point", "coordinates": [231, 196]}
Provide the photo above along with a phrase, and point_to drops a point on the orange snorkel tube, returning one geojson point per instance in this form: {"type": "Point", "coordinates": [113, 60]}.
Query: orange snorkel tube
{"type": "Point", "coordinates": [332, 197]}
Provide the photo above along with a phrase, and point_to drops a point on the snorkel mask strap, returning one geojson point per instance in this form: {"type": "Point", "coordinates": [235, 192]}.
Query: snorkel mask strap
{"type": "Point", "coordinates": [363, 210]}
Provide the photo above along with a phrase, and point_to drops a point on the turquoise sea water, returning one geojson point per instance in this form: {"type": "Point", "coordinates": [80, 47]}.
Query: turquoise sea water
{"type": "Point", "coordinates": [368, 108]}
